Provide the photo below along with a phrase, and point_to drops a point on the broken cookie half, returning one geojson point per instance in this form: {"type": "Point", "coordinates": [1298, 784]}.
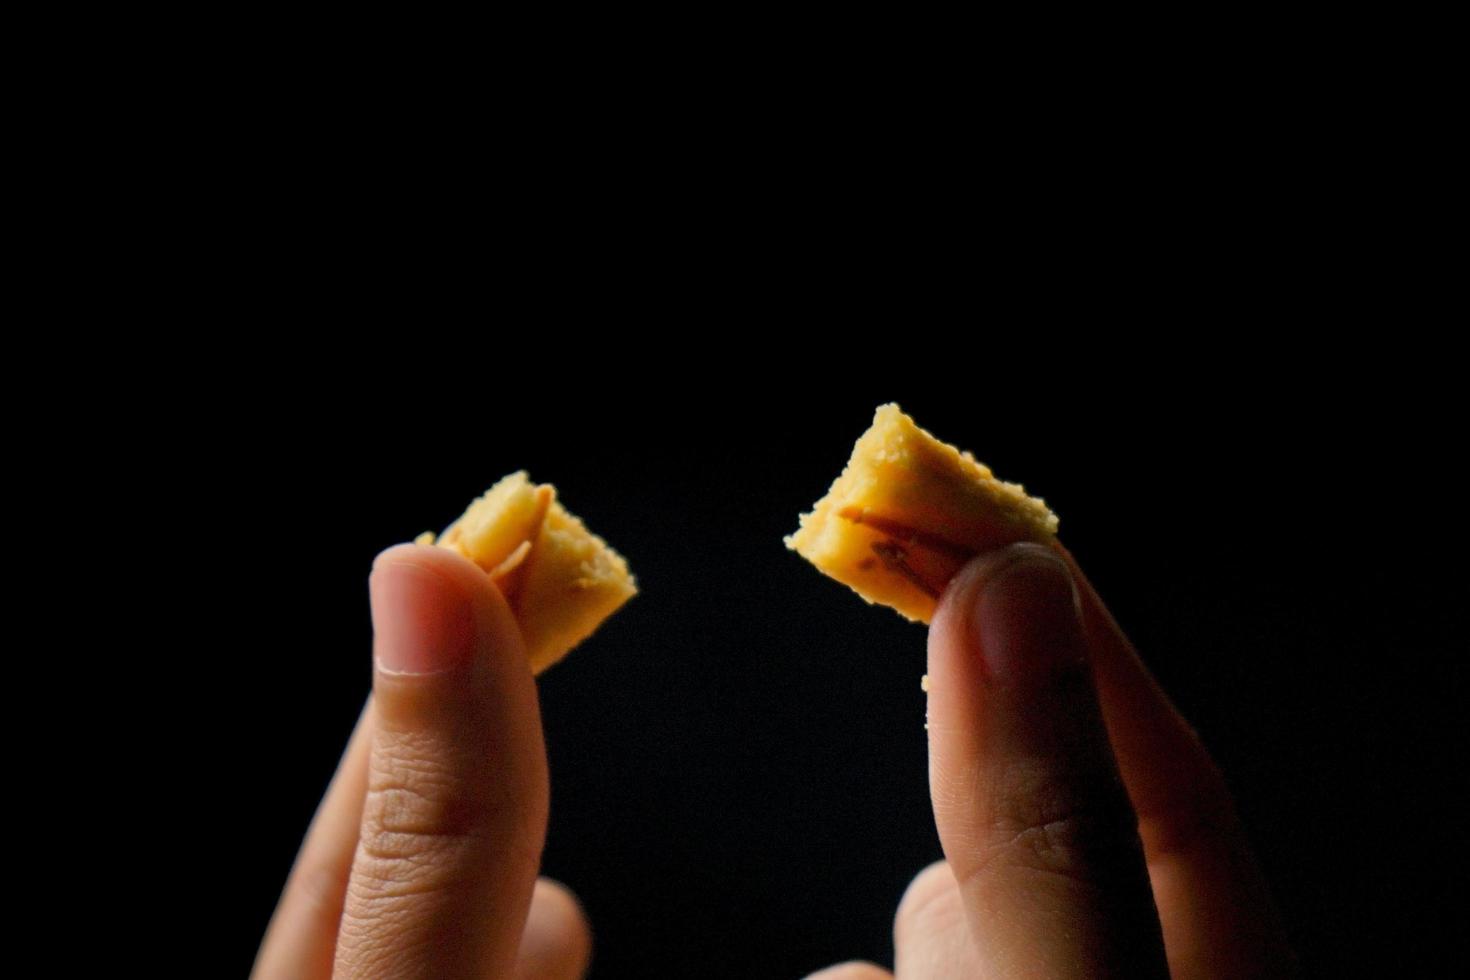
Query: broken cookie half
{"type": "Point", "coordinates": [560, 580]}
{"type": "Point", "coordinates": [908, 512]}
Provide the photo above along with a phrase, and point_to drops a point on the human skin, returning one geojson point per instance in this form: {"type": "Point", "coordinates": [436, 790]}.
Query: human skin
{"type": "Point", "coordinates": [1086, 831]}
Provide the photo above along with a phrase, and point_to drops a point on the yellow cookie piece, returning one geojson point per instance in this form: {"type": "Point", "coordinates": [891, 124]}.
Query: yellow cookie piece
{"type": "Point", "coordinates": [560, 579]}
{"type": "Point", "coordinates": [906, 514]}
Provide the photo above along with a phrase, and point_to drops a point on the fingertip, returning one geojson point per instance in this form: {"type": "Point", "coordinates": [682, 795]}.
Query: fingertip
{"type": "Point", "coordinates": [401, 551]}
{"type": "Point", "coordinates": [1014, 611]}
{"type": "Point", "coordinates": [445, 643]}
{"type": "Point", "coordinates": [454, 567]}
{"type": "Point", "coordinates": [449, 582]}
{"type": "Point", "coordinates": [957, 603]}
{"type": "Point", "coordinates": [964, 589]}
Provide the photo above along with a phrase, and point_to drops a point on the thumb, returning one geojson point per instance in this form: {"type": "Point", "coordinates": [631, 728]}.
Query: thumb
{"type": "Point", "coordinates": [1034, 820]}
{"type": "Point", "coordinates": [455, 814]}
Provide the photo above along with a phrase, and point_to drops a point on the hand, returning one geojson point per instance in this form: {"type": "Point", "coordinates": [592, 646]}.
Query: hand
{"type": "Point", "coordinates": [422, 859]}
{"type": "Point", "coordinates": [1086, 831]}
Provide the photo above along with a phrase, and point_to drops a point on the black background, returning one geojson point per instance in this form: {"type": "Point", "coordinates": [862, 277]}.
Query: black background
{"type": "Point", "coordinates": [737, 758]}
{"type": "Point", "coordinates": [326, 292]}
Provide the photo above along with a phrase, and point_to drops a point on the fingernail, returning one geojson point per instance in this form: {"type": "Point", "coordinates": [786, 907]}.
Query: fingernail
{"type": "Point", "coordinates": [421, 623]}
{"type": "Point", "coordinates": [1026, 620]}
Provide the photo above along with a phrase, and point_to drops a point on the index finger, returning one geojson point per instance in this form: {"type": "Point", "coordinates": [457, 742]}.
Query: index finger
{"type": "Point", "coordinates": [1217, 913]}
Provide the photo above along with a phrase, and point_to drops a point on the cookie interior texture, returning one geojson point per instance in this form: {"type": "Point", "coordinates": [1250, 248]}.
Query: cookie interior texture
{"type": "Point", "coordinates": [560, 579]}
{"type": "Point", "coordinates": [908, 512]}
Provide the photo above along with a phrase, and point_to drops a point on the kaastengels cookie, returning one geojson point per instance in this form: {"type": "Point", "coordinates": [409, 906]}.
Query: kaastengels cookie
{"type": "Point", "coordinates": [908, 512]}
{"type": "Point", "coordinates": [560, 580]}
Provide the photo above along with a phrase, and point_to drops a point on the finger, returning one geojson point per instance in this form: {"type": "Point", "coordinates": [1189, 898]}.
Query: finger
{"type": "Point", "coordinates": [1217, 913]}
{"type": "Point", "coordinates": [455, 813]}
{"type": "Point", "coordinates": [302, 934]}
{"type": "Point", "coordinates": [853, 970]}
{"type": "Point", "coordinates": [557, 942]}
{"type": "Point", "coordinates": [931, 939]}
{"type": "Point", "coordinates": [1027, 799]}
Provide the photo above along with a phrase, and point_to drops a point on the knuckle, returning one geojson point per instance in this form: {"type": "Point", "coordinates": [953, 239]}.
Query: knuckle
{"type": "Point", "coordinates": [419, 827]}
{"type": "Point", "coordinates": [1083, 845]}
{"type": "Point", "coordinates": [437, 819]}
{"type": "Point", "coordinates": [417, 815]}
{"type": "Point", "coordinates": [1051, 826]}
{"type": "Point", "coordinates": [1060, 847]}
{"type": "Point", "coordinates": [407, 814]}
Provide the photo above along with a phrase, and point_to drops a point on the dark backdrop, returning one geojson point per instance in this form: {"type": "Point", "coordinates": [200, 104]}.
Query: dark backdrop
{"type": "Point", "coordinates": [738, 758]}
